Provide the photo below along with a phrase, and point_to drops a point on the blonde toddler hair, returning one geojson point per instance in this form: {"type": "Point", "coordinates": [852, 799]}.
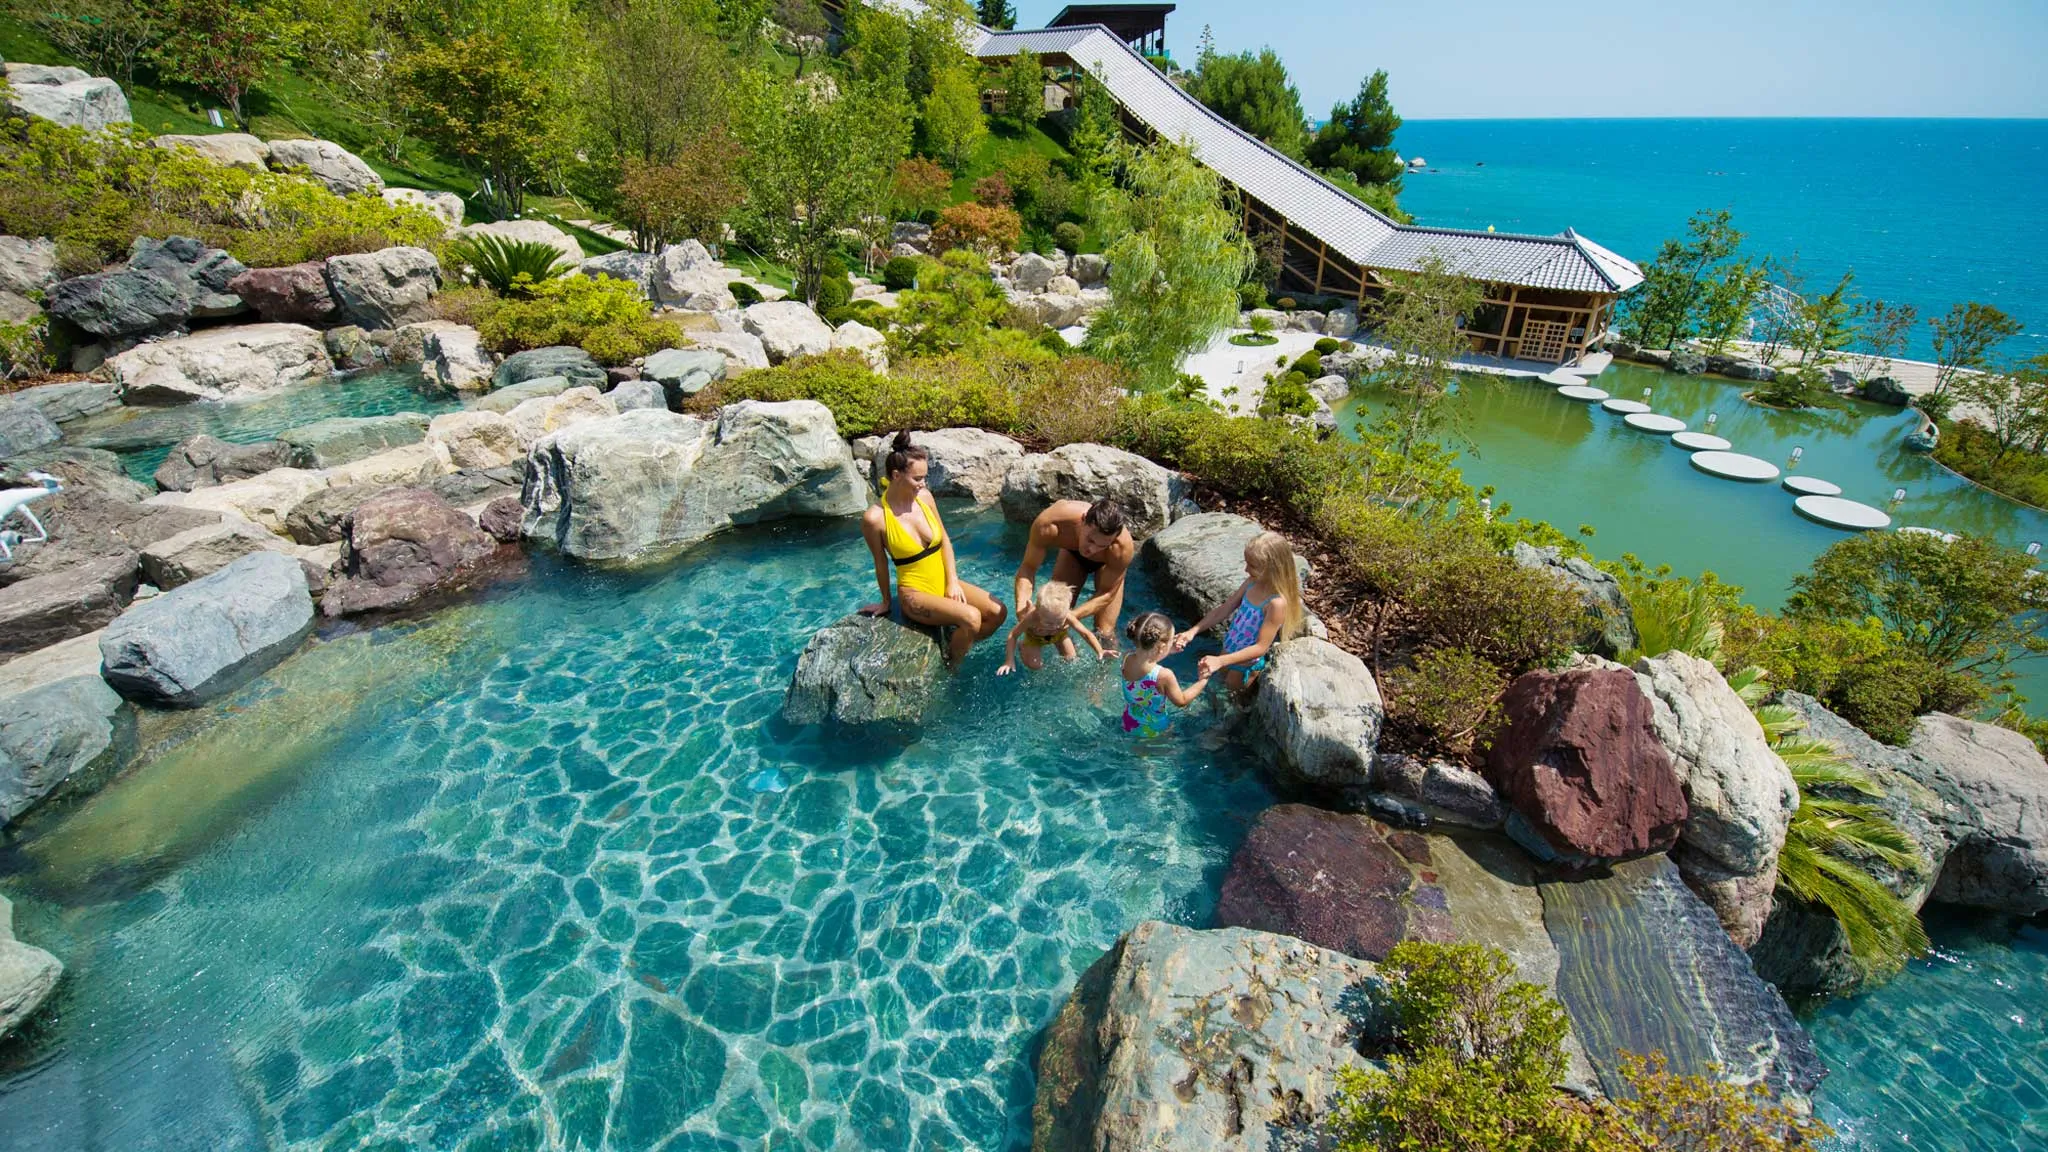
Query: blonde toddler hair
{"type": "Point", "coordinates": [1274, 557]}
{"type": "Point", "coordinates": [1055, 599]}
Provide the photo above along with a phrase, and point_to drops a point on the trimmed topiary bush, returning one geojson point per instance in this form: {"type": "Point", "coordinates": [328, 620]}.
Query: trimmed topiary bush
{"type": "Point", "coordinates": [744, 293]}
{"type": "Point", "coordinates": [1327, 345]}
{"type": "Point", "coordinates": [1068, 235]}
{"type": "Point", "coordinates": [900, 274]}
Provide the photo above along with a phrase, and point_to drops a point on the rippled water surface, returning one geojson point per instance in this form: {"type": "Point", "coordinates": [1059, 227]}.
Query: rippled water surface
{"type": "Point", "coordinates": [520, 876]}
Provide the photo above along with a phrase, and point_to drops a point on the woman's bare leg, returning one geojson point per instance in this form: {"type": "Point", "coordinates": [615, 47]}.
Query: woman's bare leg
{"type": "Point", "coordinates": [940, 612]}
{"type": "Point", "coordinates": [992, 612]}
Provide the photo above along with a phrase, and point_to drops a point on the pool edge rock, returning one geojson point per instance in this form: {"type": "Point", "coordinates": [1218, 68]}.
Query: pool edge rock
{"type": "Point", "coordinates": [865, 672]}
{"type": "Point", "coordinates": [27, 974]}
{"type": "Point", "coordinates": [205, 638]}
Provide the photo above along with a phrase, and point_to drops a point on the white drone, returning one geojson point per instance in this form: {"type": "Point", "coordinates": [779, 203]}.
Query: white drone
{"type": "Point", "coordinates": [14, 502]}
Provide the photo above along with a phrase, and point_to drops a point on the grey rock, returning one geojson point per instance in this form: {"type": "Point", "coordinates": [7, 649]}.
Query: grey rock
{"type": "Point", "coordinates": [1741, 368]}
{"type": "Point", "coordinates": [1198, 561]}
{"type": "Point", "coordinates": [341, 439]}
{"type": "Point", "coordinates": [74, 400]}
{"type": "Point", "coordinates": [685, 276]}
{"type": "Point", "coordinates": [787, 329]}
{"type": "Point", "coordinates": [322, 518]}
{"type": "Point", "coordinates": [866, 671]}
{"type": "Point", "coordinates": [1439, 790]}
{"type": "Point", "coordinates": [454, 356]}
{"type": "Point", "coordinates": [1321, 711]}
{"type": "Point", "coordinates": [78, 101]}
{"type": "Point", "coordinates": [385, 289]}
{"type": "Point", "coordinates": [1685, 362]}
{"type": "Point", "coordinates": [24, 428]}
{"type": "Point", "coordinates": [1609, 628]}
{"type": "Point", "coordinates": [740, 350]}
{"type": "Point", "coordinates": [635, 268]}
{"type": "Point", "coordinates": [917, 236]}
{"type": "Point", "coordinates": [351, 348]}
{"type": "Point", "coordinates": [1032, 272]}
{"type": "Point", "coordinates": [446, 205]}
{"type": "Point", "coordinates": [45, 609]}
{"type": "Point", "coordinates": [236, 363]}
{"type": "Point", "coordinates": [512, 396]}
{"type": "Point", "coordinates": [1090, 269]}
{"type": "Point", "coordinates": [966, 463]}
{"type": "Point", "coordinates": [647, 480]}
{"type": "Point", "coordinates": [196, 642]}
{"type": "Point", "coordinates": [1147, 492]}
{"type": "Point", "coordinates": [638, 394]}
{"type": "Point", "coordinates": [470, 486]}
{"type": "Point", "coordinates": [204, 461]}
{"type": "Point", "coordinates": [580, 367]}
{"type": "Point", "coordinates": [1886, 390]}
{"type": "Point", "coordinates": [232, 149]}
{"type": "Point", "coordinates": [164, 286]}
{"type": "Point", "coordinates": [27, 974]}
{"type": "Point", "coordinates": [196, 552]}
{"type": "Point", "coordinates": [2000, 861]}
{"type": "Point", "coordinates": [683, 372]}
{"type": "Point", "coordinates": [342, 171]}
{"type": "Point", "coordinates": [501, 519]}
{"type": "Point", "coordinates": [59, 723]}
{"type": "Point", "coordinates": [1228, 1039]}
{"type": "Point", "coordinates": [27, 266]}
{"type": "Point", "coordinates": [1341, 323]}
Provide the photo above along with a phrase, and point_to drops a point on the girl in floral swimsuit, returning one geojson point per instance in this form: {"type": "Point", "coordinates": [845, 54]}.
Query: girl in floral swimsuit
{"type": "Point", "coordinates": [1150, 689]}
{"type": "Point", "coordinates": [1264, 610]}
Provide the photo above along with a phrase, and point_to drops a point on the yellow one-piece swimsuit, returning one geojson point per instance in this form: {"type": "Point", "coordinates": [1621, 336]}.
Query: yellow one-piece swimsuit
{"type": "Point", "coordinates": [927, 573]}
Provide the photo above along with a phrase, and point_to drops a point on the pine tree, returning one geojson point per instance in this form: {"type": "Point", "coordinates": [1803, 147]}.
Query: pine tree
{"type": "Point", "coordinates": [1360, 136]}
{"type": "Point", "coordinates": [997, 14]}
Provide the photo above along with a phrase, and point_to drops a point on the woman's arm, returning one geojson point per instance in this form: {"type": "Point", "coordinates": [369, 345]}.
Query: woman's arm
{"type": "Point", "coordinates": [871, 528]}
{"type": "Point", "coordinates": [1170, 685]}
{"type": "Point", "coordinates": [1074, 625]}
{"type": "Point", "coordinates": [1216, 616]}
{"type": "Point", "coordinates": [953, 589]}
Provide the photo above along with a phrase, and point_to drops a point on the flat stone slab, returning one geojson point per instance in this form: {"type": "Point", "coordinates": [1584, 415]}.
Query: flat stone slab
{"type": "Point", "coordinates": [1813, 486]}
{"type": "Point", "coordinates": [1735, 466]}
{"type": "Point", "coordinates": [1836, 512]}
{"type": "Point", "coordinates": [1625, 407]}
{"type": "Point", "coordinates": [1651, 422]}
{"type": "Point", "coordinates": [1700, 442]}
{"type": "Point", "coordinates": [1591, 364]}
{"type": "Point", "coordinates": [1581, 393]}
{"type": "Point", "coordinates": [1559, 378]}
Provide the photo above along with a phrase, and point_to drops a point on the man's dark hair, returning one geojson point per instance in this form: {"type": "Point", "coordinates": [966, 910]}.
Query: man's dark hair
{"type": "Point", "coordinates": [1105, 516]}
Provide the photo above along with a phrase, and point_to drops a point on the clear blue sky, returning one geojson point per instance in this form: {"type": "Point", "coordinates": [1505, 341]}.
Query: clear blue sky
{"type": "Point", "coordinates": [1541, 58]}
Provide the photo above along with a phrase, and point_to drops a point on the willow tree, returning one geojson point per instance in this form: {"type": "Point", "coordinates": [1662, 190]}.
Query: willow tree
{"type": "Point", "coordinates": [1174, 273]}
{"type": "Point", "coordinates": [1421, 323]}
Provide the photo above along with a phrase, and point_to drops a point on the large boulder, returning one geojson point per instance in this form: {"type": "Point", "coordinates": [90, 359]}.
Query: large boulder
{"type": "Point", "coordinates": [410, 464]}
{"type": "Point", "coordinates": [646, 480]}
{"type": "Point", "coordinates": [58, 721]}
{"type": "Point", "coordinates": [1886, 390]}
{"type": "Point", "coordinates": [1346, 883]}
{"type": "Point", "coordinates": [322, 518]}
{"type": "Point", "coordinates": [229, 149]}
{"type": "Point", "coordinates": [580, 368]}
{"type": "Point", "coordinates": [740, 349]}
{"type": "Point", "coordinates": [265, 499]}
{"type": "Point", "coordinates": [866, 671]}
{"type": "Point", "coordinates": [1227, 1039]}
{"type": "Point", "coordinates": [504, 400]}
{"type": "Point", "coordinates": [1032, 272]}
{"type": "Point", "coordinates": [196, 552]}
{"type": "Point", "coordinates": [475, 439]}
{"type": "Point", "coordinates": [541, 415]}
{"type": "Point", "coordinates": [631, 394]}
{"type": "Point", "coordinates": [221, 364]}
{"type": "Point", "coordinates": [204, 461]}
{"type": "Point", "coordinates": [23, 429]}
{"type": "Point", "coordinates": [341, 439]}
{"type": "Point", "coordinates": [1740, 797]}
{"type": "Point", "coordinates": [635, 268]}
{"type": "Point", "coordinates": [164, 285]}
{"type": "Point", "coordinates": [967, 463]}
{"type": "Point", "coordinates": [27, 974]}
{"type": "Point", "coordinates": [398, 547]}
{"type": "Point", "coordinates": [342, 171]}
{"type": "Point", "coordinates": [685, 276]}
{"type": "Point", "coordinates": [71, 400]}
{"type": "Point", "coordinates": [473, 487]}
{"type": "Point", "coordinates": [787, 329]}
{"type": "Point", "coordinates": [854, 336]}
{"type": "Point", "coordinates": [454, 356]}
{"type": "Point", "coordinates": [386, 288]}
{"type": "Point", "coordinates": [446, 205]}
{"type": "Point", "coordinates": [1422, 791]}
{"type": "Point", "coordinates": [1580, 764]}
{"type": "Point", "coordinates": [194, 643]}
{"type": "Point", "coordinates": [2000, 857]}
{"type": "Point", "coordinates": [530, 231]}
{"type": "Point", "coordinates": [293, 294]}
{"type": "Point", "coordinates": [1318, 706]}
{"type": "Point", "coordinates": [53, 606]}
{"type": "Point", "coordinates": [1609, 628]}
{"type": "Point", "coordinates": [1147, 492]}
{"type": "Point", "coordinates": [66, 96]}
{"type": "Point", "coordinates": [1198, 561]}
{"type": "Point", "coordinates": [683, 372]}
{"type": "Point", "coordinates": [1089, 269]}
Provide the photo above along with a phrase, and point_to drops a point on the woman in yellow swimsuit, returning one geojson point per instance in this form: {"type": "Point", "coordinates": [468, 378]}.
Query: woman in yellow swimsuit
{"type": "Point", "coordinates": [903, 528]}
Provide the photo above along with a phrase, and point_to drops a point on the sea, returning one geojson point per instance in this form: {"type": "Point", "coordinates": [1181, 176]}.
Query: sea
{"type": "Point", "coordinates": [1925, 212]}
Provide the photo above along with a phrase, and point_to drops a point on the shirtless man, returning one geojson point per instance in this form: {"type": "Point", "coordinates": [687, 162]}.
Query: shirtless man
{"type": "Point", "coordinates": [1085, 540]}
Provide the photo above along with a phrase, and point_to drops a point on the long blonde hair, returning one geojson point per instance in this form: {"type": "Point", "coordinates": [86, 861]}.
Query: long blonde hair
{"type": "Point", "coordinates": [1275, 559]}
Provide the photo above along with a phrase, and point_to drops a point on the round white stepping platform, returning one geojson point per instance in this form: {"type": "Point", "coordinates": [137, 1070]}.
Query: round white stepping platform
{"type": "Point", "coordinates": [1592, 364]}
{"type": "Point", "coordinates": [1559, 378]}
{"type": "Point", "coordinates": [1836, 512]}
{"type": "Point", "coordinates": [1813, 486]}
{"type": "Point", "coordinates": [1582, 393]}
{"type": "Point", "coordinates": [1700, 442]}
{"type": "Point", "coordinates": [1651, 422]}
{"type": "Point", "coordinates": [1736, 466]}
{"type": "Point", "coordinates": [1915, 529]}
{"type": "Point", "coordinates": [1626, 407]}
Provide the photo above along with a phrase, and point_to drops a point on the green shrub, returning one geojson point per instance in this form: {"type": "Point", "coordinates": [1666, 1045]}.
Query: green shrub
{"type": "Point", "coordinates": [1288, 396]}
{"type": "Point", "coordinates": [954, 307]}
{"type": "Point", "coordinates": [744, 293]}
{"type": "Point", "coordinates": [1068, 235]}
{"type": "Point", "coordinates": [1286, 304]}
{"type": "Point", "coordinates": [1251, 297]}
{"type": "Point", "coordinates": [900, 273]}
{"type": "Point", "coordinates": [507, 267]}
{"type": "Point", "coordinates": [1310, 365]}
{"type": "Point", "coordinates": [1327, 345]}
{"type": "Point", "coordinates": [1445, 701]}
{"type": "Point", "coordinates": [24, 350]}
{"type": "Point", "coordinates": [834, 293]}
{"type": "Point", "coordinates": [605, 317]}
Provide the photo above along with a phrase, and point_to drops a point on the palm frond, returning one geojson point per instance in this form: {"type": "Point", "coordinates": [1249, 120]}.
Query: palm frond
{"type": "Point", "coordinates": [1777, 720]}
{"type": "Point", "coordinates": [1821, 760]}
{"type": "Point", "coordinates": [1675, 616]}
{"type": "Point", "coordinates": [1881, 931]}
{"type": "Point", "coordinates": [1751, 683]}
{"type": "Point", "coordinates": [509, 266]}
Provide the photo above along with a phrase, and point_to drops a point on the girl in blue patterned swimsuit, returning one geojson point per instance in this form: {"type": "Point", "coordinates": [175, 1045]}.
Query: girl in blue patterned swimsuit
{"type": "Point", "coordinates": [1264, 610]}
{"type": "Point", "coordinates": [1150, 689]}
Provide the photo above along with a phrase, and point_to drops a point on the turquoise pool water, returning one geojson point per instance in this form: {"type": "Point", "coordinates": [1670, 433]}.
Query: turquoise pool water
{"type": "Point", "coordinates": [517, 876]}
{"type": "Point", "coordinates": [142, 437]}
{"type": "Point", "coordinates": [1952, 1055]}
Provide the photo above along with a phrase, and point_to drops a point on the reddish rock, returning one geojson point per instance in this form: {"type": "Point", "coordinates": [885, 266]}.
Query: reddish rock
{"type": "Point", "coordinates": [1581, 764]}
{"type": "Point", "coordinates": [501, 518]}
{"type": "Point", "coordinates": [1345, 883]}
{"type": "Point", "coordinates": [400, 545]}
{"type": "Point", "coordinates": [293, 294]}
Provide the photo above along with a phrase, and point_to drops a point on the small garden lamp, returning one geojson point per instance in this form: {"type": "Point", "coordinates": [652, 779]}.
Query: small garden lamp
{"type": "Point", "coordinates": [1798, 450]}
{"type": "Point", "coordinates": [2033, 547]}
{"type": "Point", "coordinates": [1713, 418]}
{"type": "Point", "coordinates": [1898, 495]}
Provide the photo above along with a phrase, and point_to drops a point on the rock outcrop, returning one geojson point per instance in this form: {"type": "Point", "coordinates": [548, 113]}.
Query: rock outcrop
{"type": "Point", "coordinates": [204, 461]}
{"type": "Point", "coordinates": [454, 356]}
{"type": "Point", "coordinates": [67, 96]}
{"type": "Point", "coordinates": [685, 276]}
{"type": "Point", "coordinates": [43, 609]}
{"type": "Point", "coordinates": [386, 288]}
{"type": "Point", "coordinates": [1198, 561]}
{"type": "Point", "coordinates": [787, 329]}
{"type": "Point", "coordinates": [293, 294]}
{"type": "Point", "coordinates": [27, 266]}
{"type": "Point", "coordinates": [58, 721]}
{"type": "Point", "coordinates": [196, 642]}
{"type": "Point", "coordinates": [1580, 764]}
{"type": "Point", "coordinates": [1319, 707]}
{"type": "Point", "coordinates": [1740, 797]}
{"type": "Point", "coordinates": [1999, 860]}
{"type": "Point", "coordinates": [221, 364]}
{"type": "Point", "coordinates": [1147, 492]}
{"type": "Point", "coordinates": [645, 480]}
{"type": "Point", "coordinates": [228, 149]}
{"type": "Point", "coordinates": [683, 372]}
{"type": "Point", "coordinates": [1227, 1039]}
{"type": "Point", "coordinates": [575, 365]}
{"type": "Point", "coordinates": [866, 671]}
{"type": "Point", "coordinates": [1346, 883]}
{"type": "Point", "coordinates": [1422, 791]}
{"type": "Point", "coordinates": [196, 552]}
{"type": "Point", "coordinates": [476, 439]}
{"type": "Point", "coordinates": [398, 547]}
{"type": "Point", "coordinates": [71, 400]}
{"type": "Point", "coordinates": [535, 418]}
{"type": "Point", "coordinates": [24, 429]}
{"type": "Point", "coordinates": [446, 205]}
{"type": "Point", "coordinates": [164, 285]}
{"type": "Point", "coordinates": [341, 439]}
{"type": "Point", "coordinates": [631, 394]}
{"type": "Point", "coordinates": [322, 518]}
{"type": "Point", "coordinates": [1610, 628]}
{"type": "Point", "coordinates": [965, 463]}
{"type": "Point", "coordinates": [342, 171]}
{"type": "Point", "coordinates": [27, 974]}
{"type": "Point", "coordinates": [264, 499]}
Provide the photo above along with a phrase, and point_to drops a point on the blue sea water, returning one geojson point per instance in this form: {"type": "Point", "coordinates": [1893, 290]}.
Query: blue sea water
{"type": "Point", "coordinates": [1927, 212]}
